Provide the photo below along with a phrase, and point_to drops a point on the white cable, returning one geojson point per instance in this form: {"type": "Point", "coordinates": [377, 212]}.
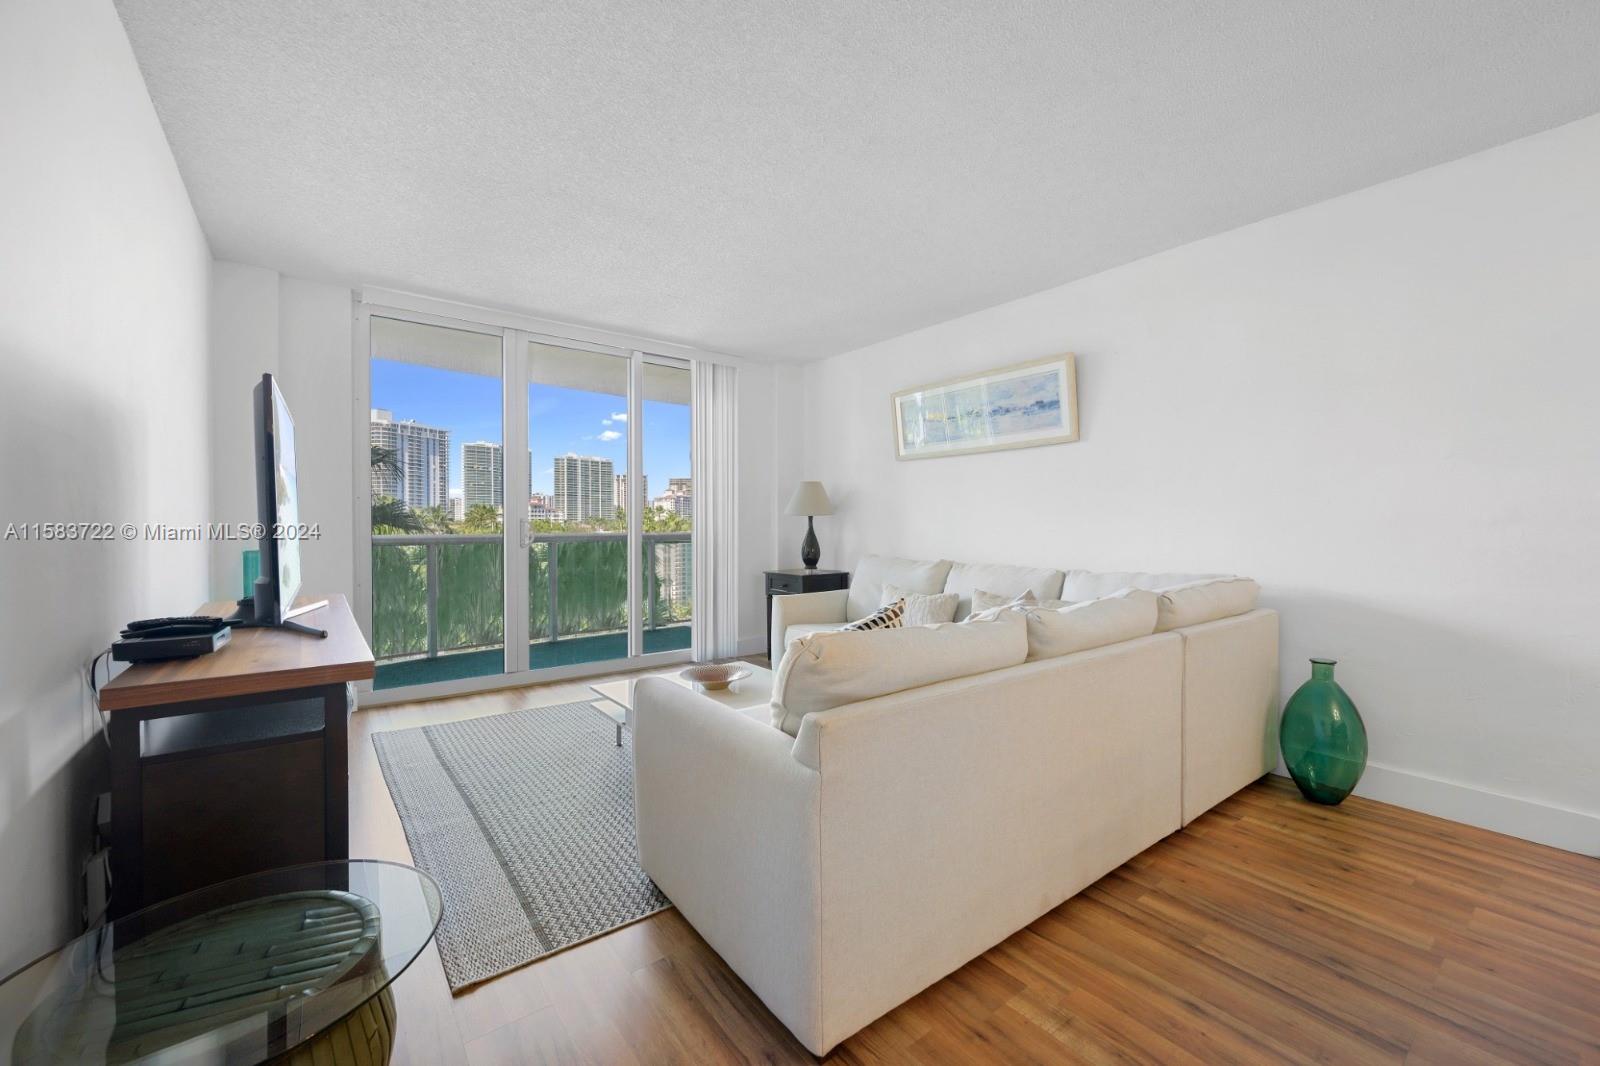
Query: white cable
{"type": "Point", "coordinates": [94, 693]}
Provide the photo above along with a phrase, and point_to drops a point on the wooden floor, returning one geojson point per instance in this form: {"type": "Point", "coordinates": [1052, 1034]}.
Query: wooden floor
{"type": "Point", "coordinates": [1271, 930]}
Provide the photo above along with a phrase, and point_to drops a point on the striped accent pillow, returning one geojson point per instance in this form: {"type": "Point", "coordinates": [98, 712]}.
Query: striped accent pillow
{"type": "Point", "coordinates": [889, 616]}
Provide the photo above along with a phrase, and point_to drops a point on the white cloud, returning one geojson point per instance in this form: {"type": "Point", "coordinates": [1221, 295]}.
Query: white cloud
{"type": "Point", "coordinates": [619, 417]}
{"type": "Point", "coordinates": [610, 434]}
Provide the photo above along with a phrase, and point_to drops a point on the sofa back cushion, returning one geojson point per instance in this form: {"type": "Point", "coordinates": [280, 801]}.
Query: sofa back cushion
{"type": "Point", "coordinates": [1124, 615]}
{"type": "Point", "coordinates": [827, 670]}
{"type": "Point", "coordinates": [875, 571]}
{"type": "Point", "coordinates": [1007, 581]}
{"type": "Point", "coordinates": [1089, 585]}
{"type": "Point", "coordinates": [1204, 601]}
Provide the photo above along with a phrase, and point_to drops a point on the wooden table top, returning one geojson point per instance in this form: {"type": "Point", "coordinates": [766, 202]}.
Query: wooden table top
{"type": "Point", "coordinates": [254, 660]}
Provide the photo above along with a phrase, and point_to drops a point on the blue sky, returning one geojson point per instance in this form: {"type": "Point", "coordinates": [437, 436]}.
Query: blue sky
{"type": "Point", "coordinates": [559, 420]}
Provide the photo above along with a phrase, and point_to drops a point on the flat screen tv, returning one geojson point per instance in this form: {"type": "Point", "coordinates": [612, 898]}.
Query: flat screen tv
{"type": "Point", "coordinates": [278, 514]}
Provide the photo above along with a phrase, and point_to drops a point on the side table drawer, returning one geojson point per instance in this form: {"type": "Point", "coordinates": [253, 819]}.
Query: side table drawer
{"type": "Point", "coordinates": [785, 583]}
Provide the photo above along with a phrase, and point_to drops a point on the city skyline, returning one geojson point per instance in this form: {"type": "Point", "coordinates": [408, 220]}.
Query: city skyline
{"type": "Point", "coordinates": [561, 421]}
{"type": "Point", "coordinates": [585, 487]}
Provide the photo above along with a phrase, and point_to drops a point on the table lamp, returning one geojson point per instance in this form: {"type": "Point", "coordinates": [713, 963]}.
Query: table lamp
{"type": "Point", "coordinates": [810, 499]}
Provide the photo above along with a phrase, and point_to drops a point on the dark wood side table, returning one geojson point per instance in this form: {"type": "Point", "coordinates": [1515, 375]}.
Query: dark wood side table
{"type": "Point", "coordinates": [233, 762]}
{"type": "Point", "coordinates": [792, 582]}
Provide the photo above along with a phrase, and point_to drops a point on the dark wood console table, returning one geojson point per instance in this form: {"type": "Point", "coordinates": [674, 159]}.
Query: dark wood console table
{"type": "Point", "coordinates": [233, 762]}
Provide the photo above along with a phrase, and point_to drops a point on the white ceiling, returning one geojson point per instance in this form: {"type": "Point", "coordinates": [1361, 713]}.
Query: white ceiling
{"type": "Point", "coordinates": [799, 178]}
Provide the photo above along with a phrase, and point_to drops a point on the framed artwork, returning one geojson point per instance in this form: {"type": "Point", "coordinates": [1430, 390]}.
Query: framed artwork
{"type": "Point", "coordinates": [1021, 406]}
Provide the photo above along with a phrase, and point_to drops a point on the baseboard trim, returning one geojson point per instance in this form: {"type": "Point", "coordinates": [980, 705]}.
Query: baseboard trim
{"type": "Point", "coordinates": [756, 645]}
{"type": "Point", "coordinates": [1539, 822]}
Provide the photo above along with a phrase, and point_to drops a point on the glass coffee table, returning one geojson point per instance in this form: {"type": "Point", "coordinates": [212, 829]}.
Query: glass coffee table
{"type": "Point", "coordinates": [742, 695]}
{"type": "Point", "coordinates": [290, 965]}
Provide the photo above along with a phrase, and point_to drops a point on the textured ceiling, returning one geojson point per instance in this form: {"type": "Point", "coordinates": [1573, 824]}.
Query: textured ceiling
{"type": "Point", "coordinates": [795, 179]}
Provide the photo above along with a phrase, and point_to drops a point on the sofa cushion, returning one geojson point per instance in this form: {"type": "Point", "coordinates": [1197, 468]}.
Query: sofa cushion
{"type": "Point", "coordinates": [1008, 581]}
{"type": "Point", "coordinates": [826, 670]}
{"type": "Point", "coordinates": [1090, 585]}
{"type": "Point", "coordinates": [1204, 601]}
{"type": "Point", "coordinates": [923, 610]}
{"type": "Point", "coordinates": [1124, 615]}
{"type": "Point", "coordinates": [875, 571]}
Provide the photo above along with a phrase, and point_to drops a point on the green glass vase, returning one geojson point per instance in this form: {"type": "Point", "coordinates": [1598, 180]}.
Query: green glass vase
{"type": "Point", "coordinates": [1323, 739]}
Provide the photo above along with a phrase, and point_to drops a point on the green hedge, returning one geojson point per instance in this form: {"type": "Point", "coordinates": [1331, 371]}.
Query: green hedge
{"type": "Point", "coordinates": [591, 593]}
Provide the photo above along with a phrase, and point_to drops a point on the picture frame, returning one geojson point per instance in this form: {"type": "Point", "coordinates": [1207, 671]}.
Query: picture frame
{"type": "Point", "coordinates": [1023, 405]}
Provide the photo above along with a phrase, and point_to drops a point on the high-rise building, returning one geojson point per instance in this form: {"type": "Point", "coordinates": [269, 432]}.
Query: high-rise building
{"type": "Point", "coordinates": [679, 497]}
{"type": "Point", "coordinates": [458, 508]}
{"type": "Point", "coordinates": [483, 474]}
{"type": "Point", "coordinates": [676, 576]}
{"type": "Point", "coordinates": [420, 474]}
{"type": "Point", "coordinates": [622, 490]}
{"type": "Point", "coordinates": [585, 488]}
{"type": "Point", "coordinates": [540, 508]}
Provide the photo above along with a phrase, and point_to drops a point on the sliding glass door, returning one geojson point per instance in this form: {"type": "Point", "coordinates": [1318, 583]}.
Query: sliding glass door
{"type": "Point", "coordinates": [434, 470]}
{"type": "Point", "coordinates": [666, 596]}
{"type": "Point", "coordinates": [578, 436]}
{"type": "Point", "coordinates": [487, 561]}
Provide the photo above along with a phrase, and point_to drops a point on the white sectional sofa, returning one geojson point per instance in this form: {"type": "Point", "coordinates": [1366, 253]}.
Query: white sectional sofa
{"type": "Point", "coordinates": [842, 870]}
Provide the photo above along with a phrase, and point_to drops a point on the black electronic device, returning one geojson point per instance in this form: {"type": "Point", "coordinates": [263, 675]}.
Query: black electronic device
{"type": "Point", "coordinates": [278, 514]}
{"type": "Point", "coordinates": [187, 624]}
{"type": "Point", "coordinates": [143, 648]}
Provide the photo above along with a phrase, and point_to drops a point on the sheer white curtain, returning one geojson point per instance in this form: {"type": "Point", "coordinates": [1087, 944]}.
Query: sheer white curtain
{"type": "Point", "coordinates": [715, 468]}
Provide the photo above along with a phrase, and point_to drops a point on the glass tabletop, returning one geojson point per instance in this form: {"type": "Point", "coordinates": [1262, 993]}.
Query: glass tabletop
{"type": "Point", "coordinates": [233, 973]}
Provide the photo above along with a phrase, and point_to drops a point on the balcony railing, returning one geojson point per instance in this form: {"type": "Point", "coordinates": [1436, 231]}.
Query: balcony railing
{"type": "Point", "coordinates": [439, 594]}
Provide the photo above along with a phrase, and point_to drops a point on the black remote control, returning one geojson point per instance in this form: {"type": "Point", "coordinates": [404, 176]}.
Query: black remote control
{"type": "Point", "coordinates": [205, 623]}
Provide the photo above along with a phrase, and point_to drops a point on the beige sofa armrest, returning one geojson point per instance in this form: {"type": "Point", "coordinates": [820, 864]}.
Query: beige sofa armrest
{"type": "Point", "coordinates": [728, 829]}
{"type": "Point", "coordinates": [1230, 706]}
{"type": "Point", "coordinates": [830, 606]}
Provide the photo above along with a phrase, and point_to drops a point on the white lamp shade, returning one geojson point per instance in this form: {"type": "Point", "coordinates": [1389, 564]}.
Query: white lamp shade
{"type": "Point", "coordinates": [810, 498]}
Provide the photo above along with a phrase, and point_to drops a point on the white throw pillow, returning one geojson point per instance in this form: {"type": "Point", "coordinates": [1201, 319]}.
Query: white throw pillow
{"type": "Point", "coordinates": [987, 603]}
{"type": "Point", "coordinates": [1204, 601]}
{"type": "Point", "coordinates": [921, 609]}
{"type": "Point", "coordinates": [1120, 616]}
{"type": "Point", "coordinates": [827, 670]}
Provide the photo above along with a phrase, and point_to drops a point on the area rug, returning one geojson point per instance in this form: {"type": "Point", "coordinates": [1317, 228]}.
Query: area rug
{"type": "Point", "coordinates": [525, 820]}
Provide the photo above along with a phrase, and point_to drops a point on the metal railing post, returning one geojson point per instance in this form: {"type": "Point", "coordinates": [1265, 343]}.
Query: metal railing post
{"type": "Point", "coordinates": [433, 599]}
{"type": "Point", "coordinates": [650, 582]}
{"type": "Point", "coordinates": [553, 574]}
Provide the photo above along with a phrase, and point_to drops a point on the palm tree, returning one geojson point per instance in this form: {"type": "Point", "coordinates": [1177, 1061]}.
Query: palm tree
{"type": "Point", "coordinates": [390, 515]}
{"type": "Point", "coordinates": [435, 520]}
{"type": "Point", "coordinates": [386, 461]}
{"type": "Point", "coordinates": [661, 520]}
{"type": "Point", "coordinates": [481, 518]}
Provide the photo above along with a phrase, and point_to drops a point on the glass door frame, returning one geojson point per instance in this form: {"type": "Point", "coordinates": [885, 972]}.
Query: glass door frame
{"type": "Point", "coordinates": [516, 540]}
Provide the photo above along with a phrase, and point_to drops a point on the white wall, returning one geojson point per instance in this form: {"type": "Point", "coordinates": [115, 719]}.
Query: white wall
{"type": "Point", "coordinates": [300, 332]}
{"type": "Point", "coordinates": [102, 418]}
{"type": "Point", "coordinates": [1382, 407]}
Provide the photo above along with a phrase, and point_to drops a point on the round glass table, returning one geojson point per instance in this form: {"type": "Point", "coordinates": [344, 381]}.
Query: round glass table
{"type": "Point", "coordinates": [290, 965]}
